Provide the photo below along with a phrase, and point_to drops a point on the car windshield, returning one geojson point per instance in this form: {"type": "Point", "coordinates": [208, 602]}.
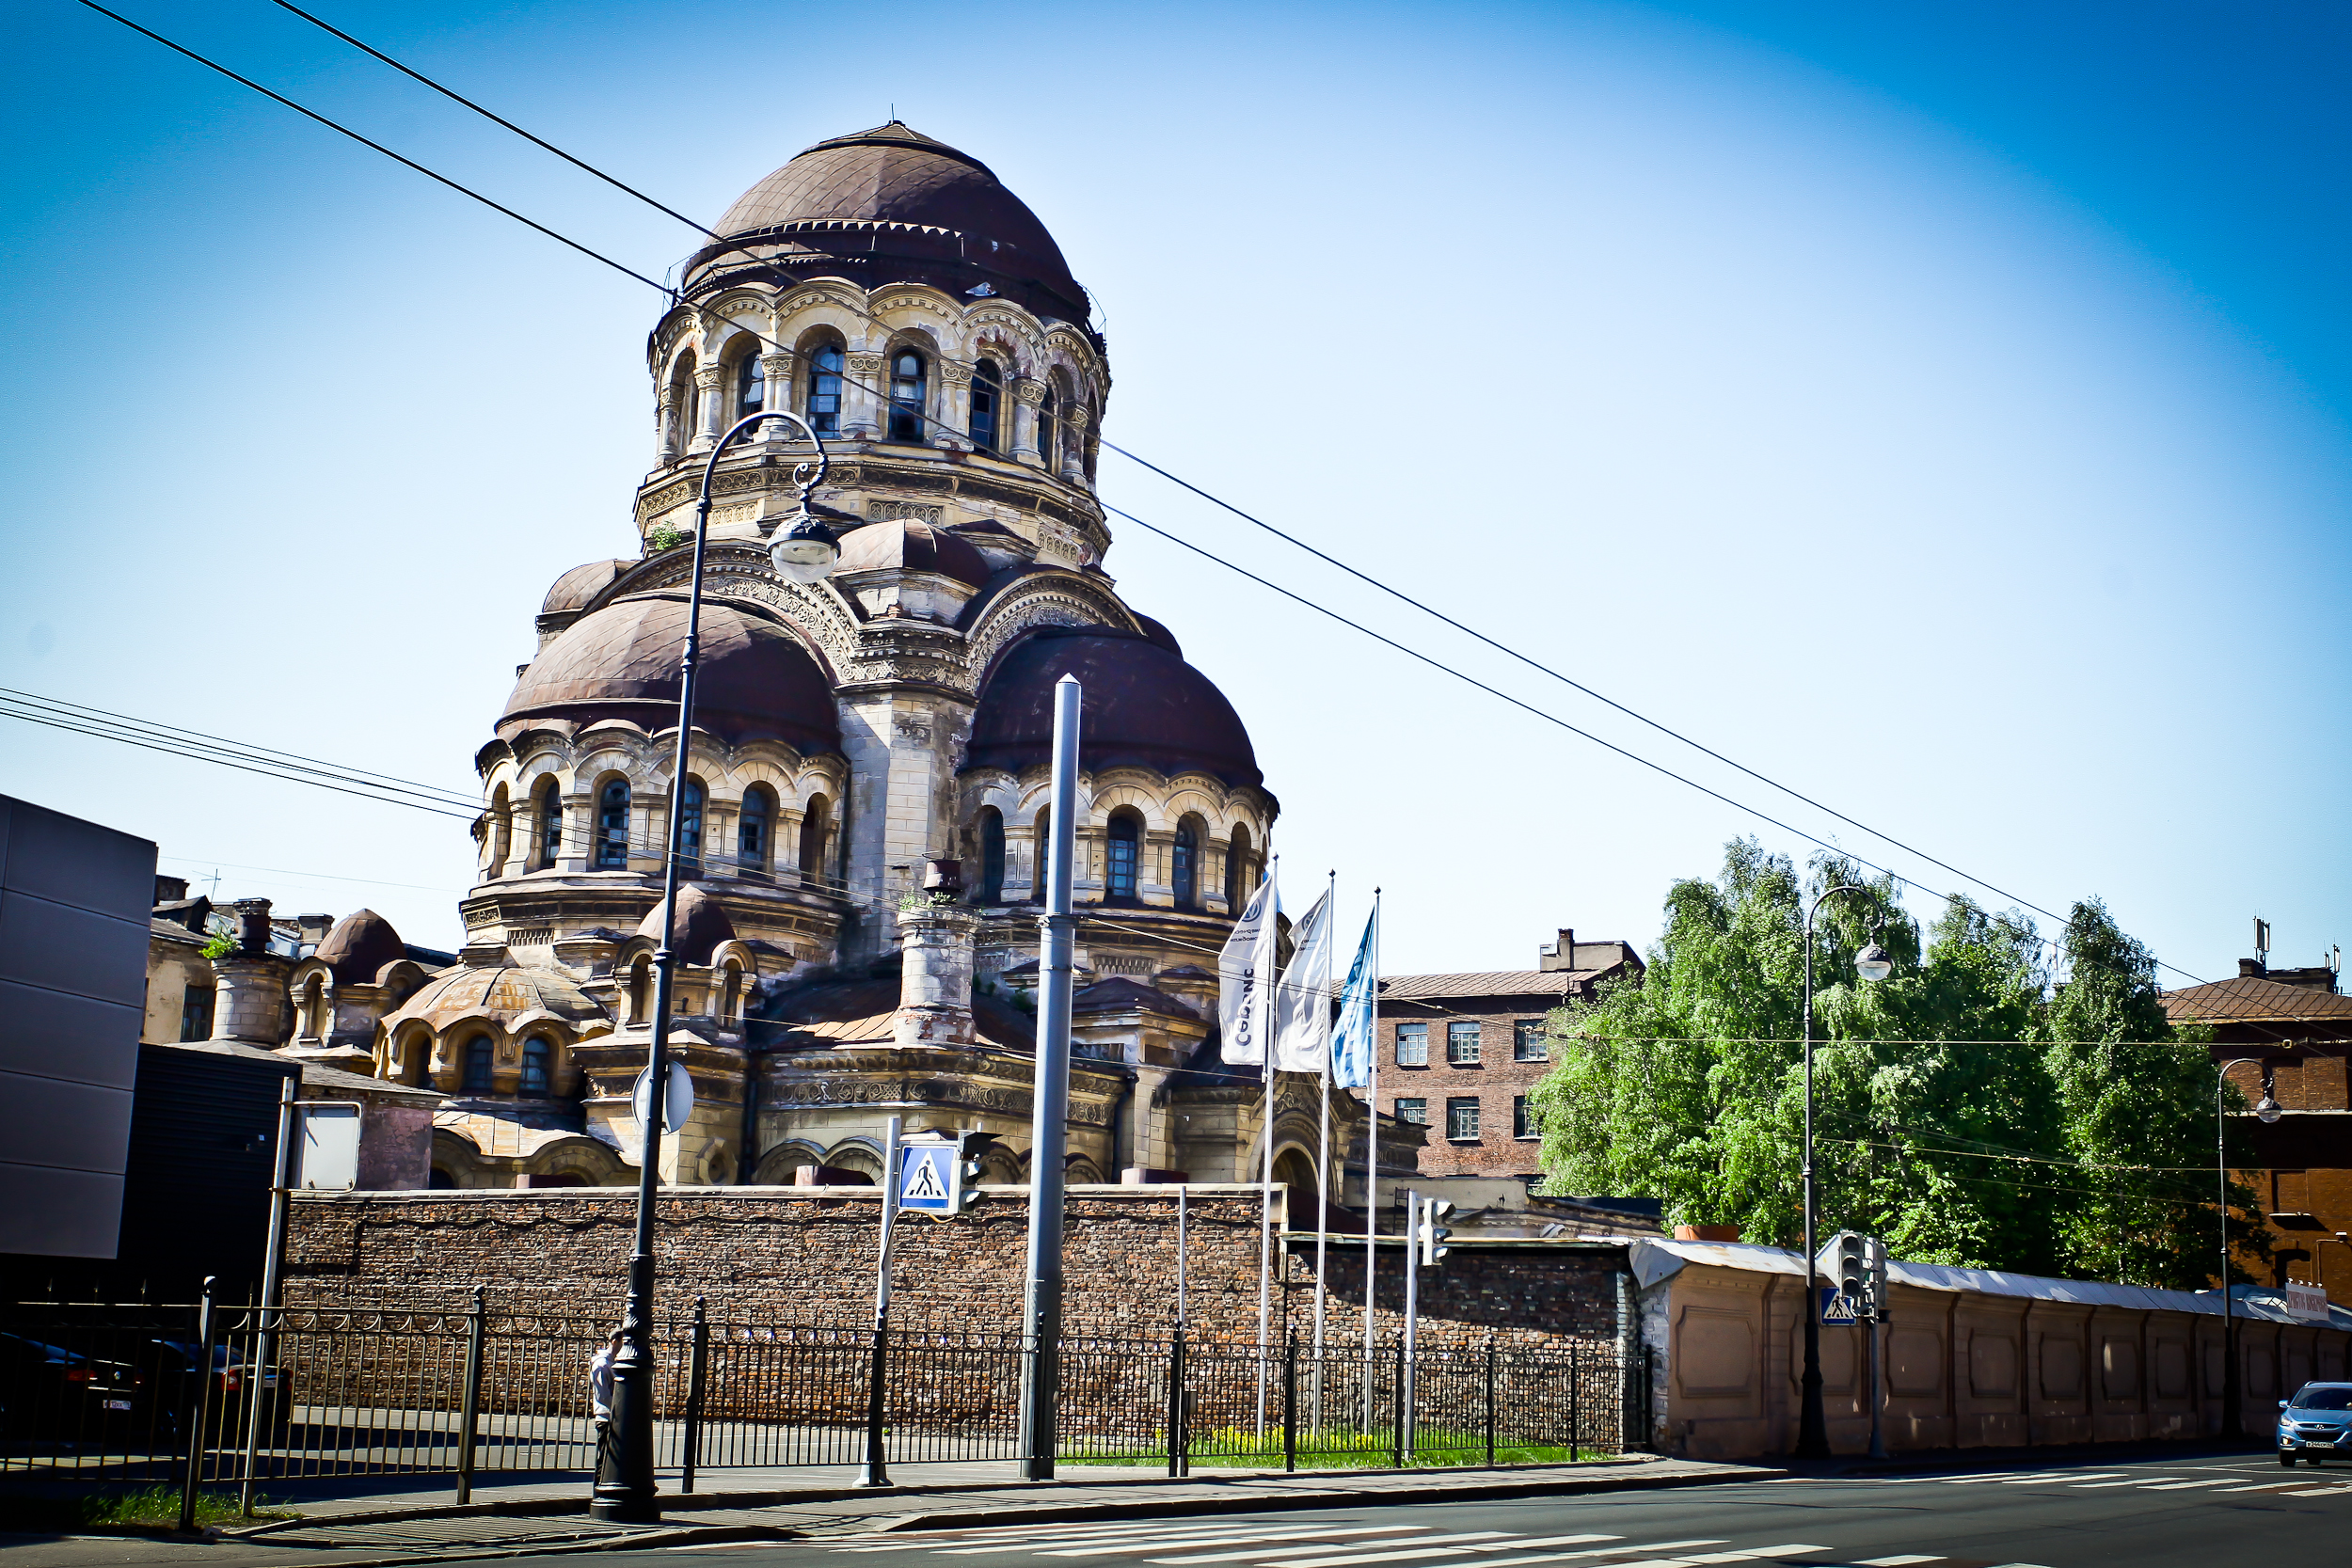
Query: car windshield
{"type": "Point", "coordinates": [2333, 1397]}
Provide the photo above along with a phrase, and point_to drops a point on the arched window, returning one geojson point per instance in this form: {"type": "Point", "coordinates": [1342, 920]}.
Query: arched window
{"type": "Point", "coordinates": [907, 401]}
{"type": "Point", "coordinates": [498, 817]}
{"type": "Point", "coordinates": [816, 827]}
{"type": "Point", "coordinates": [537, 1057]}
{"type": "Point", "coordinates": [731, 993]}
{"type": "Point", "coordinates": [550, 823]}
{"type": "Point", "coordinates": [689, 844]}
{"type": "Point", "coordinates": [992, 856]}
{"type": "Point", "coordinates": [1237, 872]}
{"type": "Point", "coordinates": [314, 1015]}
{"type": "Point", "coordinates": [754, 830]}
{"type": "Point", "coordinates": [680, 406]}
{"type": "Point", "coordinates": [638, 972]}
{"type": "Point", "coordinates": [612, 827]}
{"type": "Point", "coordinates": [1185, 863]}
{"type": "Point", "coordinates": [1041, 863]}
{"type": "Point", "coordinates": [751, 386]}
{"type": "Point", "coordinates": [824, 392]}
{"type": "Point", "coordinates": [1048, 421]}
{"type": "Point", "coordinates": [1124, 845]}
{"type": "Point", "coordinates": [988, 395]}
{"type": "Point", "coordinates": [477, 1080]}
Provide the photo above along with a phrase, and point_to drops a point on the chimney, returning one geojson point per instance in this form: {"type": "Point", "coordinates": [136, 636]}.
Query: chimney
{"type": "Point", "coordinates": [2252, 969]}
{"type": "Point", "coordinates": [170, 889]}
{"type": "Point", "coordinates": [935, 983]}
{"type": "Point", "coordinates": [251, 1005]}
{"type": "Point", "coordinates": [1560, 955]}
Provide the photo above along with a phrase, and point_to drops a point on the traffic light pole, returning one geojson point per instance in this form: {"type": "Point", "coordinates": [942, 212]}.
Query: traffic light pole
{"type": "Point", "coordinates": [877, 1470]}
{"type": "Point", "coordinates": [1412, 1321]}
{"type": "Point", "coordinates": [1041, 1325]}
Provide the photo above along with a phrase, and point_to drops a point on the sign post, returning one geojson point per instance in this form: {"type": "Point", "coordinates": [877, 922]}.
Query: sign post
{"type": "Point", "coordinates": [877, 1471]}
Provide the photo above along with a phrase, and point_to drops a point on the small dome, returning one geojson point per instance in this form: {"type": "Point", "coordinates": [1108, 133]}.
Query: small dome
{"type": "Point", "coordinates": [621, 662]}
{"type": "Point", "coordinates": [913, 547]}
{"type": "Point", "coordinates": [359, 946]}
{"type": "Point", "coordinates": [503, 992]}
{"type": "Point", "coordinates": [702, 925]}
{"type": "Point", "coordinates": [575, 588]}
{"type": "Point", "coordinates": [1144, 706]}
{"type": "Point", "coordinates": [894, 195]}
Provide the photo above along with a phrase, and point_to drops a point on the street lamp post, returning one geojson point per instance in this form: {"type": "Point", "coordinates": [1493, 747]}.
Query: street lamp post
{"type": "Point", "coordinates": [804, 552]}
{"type": "Point", "coordinates": [1872, 963]}
{"type": "Point", "coordinates": [2267, 1109]}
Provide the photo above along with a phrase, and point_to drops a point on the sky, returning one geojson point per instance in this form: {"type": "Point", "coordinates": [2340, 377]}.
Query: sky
{"type": "Point", "coordinates": [1940, 410]}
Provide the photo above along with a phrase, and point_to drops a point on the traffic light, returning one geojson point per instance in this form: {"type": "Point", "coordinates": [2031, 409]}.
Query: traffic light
{"type": "Point", "coordinates": [1854, 1270]}
{"type": "Point", "coordinates": [1429, 1233]}
{"type": "Point", "coordinates": [965, 1189]}
{"type": "Point", "coordinates": [1877, 1259]}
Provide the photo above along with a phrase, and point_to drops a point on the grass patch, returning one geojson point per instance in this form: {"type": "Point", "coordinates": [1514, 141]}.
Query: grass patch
{"type": "Point", "coordinates": [151, 1507]}
{"type": "Point", "coordinates": [1244, 1447]}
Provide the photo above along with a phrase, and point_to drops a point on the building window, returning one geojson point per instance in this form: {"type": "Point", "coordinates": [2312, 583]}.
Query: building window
{"type": "Point", "coordinates": [987, 396]}
{"type": "Point", "coordinates": [1413, 1045]}
{"type": "Point", "coordinates": [815, 826]}
{"type": "Point", "coordinates": [1041, 856]}
{"type": "Point", "coordinates": [535, 1056]}
{"type": "Point", "coordinates": [1461, 1120]}
{"type": "Point", "coordinates": [196, 1014]}
{"type": "Point", "coordinates": [992, 856]}
{"type": "Point", "coordinates": [612, 827]}
{"type": "Point", "coordinates": [1185, 864]}
{"type": "Point", "coordinates": [1414, 1113]}
{"type": "Point", "coordinates": [751, 386]}
{"type": "Point", "coordinates": [477, 1080]}
{"type": "Point", "coordinates": [1528, 1043]}
{"type": "Point", "coordinates": [1522, 1120]}
{"type": "Point", "coordinates": [689, 846]}
{"type": "Point", "coordinates": [906, 396]}
{"type": "Point", "coordinates": [1123, 843]}
{"type": "Point", "coordinates": [824, 392]}
{"type": "Point", "coordinates": [1048, 418]}
{"type": "Point", "coordinates": [1461, 1044]}
{"type": "Point", "coordinates": [755, 830]}
{"type": "Point", "coordinates": [1237, 873]}
{"type": "Point", "coordinates": [550, 823]}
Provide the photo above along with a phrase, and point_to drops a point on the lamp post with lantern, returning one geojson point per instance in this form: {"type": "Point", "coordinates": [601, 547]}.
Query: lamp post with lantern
{"type": "Point", "coordinates": [2266, 1111]}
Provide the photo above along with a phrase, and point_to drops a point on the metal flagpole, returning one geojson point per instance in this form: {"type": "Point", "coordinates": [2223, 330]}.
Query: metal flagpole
{"type": "Point", "coordinates": [1322, 1159]}
{"type": "Point", "coordinates": [1264, 999]}
{"type": "Point", "coordinates": [1371, 1150]}
{"type": "Point", "coordinates": [1040, 1327]}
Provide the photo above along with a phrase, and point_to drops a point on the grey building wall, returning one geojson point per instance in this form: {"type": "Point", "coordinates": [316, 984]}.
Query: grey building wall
{"type": "Point", "coordinates": [73, 932]}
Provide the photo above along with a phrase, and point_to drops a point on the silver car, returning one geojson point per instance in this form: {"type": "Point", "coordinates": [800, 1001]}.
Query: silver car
{"type": "Point", "coordinates": [2312, 1423]}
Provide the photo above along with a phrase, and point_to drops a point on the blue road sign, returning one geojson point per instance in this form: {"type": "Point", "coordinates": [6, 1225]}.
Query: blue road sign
{"type": "Point", "coordinates": [927, 1177]}
{"type": "Point", "coordinates": [1838, 1307]}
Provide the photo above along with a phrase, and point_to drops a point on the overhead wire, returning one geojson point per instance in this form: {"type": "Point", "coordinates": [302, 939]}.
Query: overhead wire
{"type": "Point", "coordinates": [674, 296]}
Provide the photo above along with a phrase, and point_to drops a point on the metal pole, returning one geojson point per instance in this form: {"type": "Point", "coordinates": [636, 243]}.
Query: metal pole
{"type": "Point", "coordinates": [1878, 1413]}
{"type": "Point", "coordinates": [1813, 1428]}
{"type": "Point", "coordinates": [1176, 1400]}
{"type": "Point", "coordinates": [1371, 1156]}
{"type": "Point", "coordinates": [469, 1410]}
{"type": "Point", "coordinates": [697, 1373]}
{"type": "Point", "coordinates": [1040, 1327]}
{"type": "Point", "coordinates": [1181, 1205]}
{"type": "Point", "coordinates": [877, 1472]}
{"type": "Point", "coordinates": [2232, 1422]}
{"type": "Point", "coordinates": [1412, 1322]}
{"type": "Point", "coordinates": [1323, 1169]}
{"type": "Point", "coordinates": [1396, 1406]}
{"type": "Point", "coordinates": [273, 1262]}
{"type": "Point", "coordinates": [1491, 1402]}
{"type": "Point", "coordinates": [1266, 1201]}
{"type": "Point", "coordinates": [1290, 1400]}
{"type": "Point", "coordinates": [199, 1408]}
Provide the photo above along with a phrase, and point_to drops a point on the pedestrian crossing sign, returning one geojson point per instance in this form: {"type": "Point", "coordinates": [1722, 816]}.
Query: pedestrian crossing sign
{"type": "Point", "coordinates": [926, 1178]}
{"type": "Point", "coordinates": [1838, 1307]}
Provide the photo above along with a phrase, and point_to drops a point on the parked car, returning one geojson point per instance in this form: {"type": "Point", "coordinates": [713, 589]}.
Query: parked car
{"type": "Point", "coordinates": [49, 1391]}
{"type": "Point", "coordinates": [2312, 1424]}
{"type": "Point", "coordinates": [173, 1364]}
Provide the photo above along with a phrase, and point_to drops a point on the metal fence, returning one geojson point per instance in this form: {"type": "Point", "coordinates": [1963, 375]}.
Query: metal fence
{"type": "Point", "coordinates": [229, 1394]}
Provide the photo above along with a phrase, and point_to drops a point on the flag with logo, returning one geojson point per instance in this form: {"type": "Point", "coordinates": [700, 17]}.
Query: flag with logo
{"type": "Point", "coordinates": [1351, 1047]}
{"type": "Point", "coordinates": [1243, 971]}
{"type": "Point", "coordinates": [1302, 1003]}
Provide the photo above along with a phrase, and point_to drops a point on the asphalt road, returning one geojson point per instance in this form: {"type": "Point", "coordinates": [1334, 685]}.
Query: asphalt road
{"type": "Point", "coordinates": [2142, 1512]}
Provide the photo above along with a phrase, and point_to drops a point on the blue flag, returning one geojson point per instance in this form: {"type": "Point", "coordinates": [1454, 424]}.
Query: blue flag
{"type": "Point", "coordinates": [1352, 1040]}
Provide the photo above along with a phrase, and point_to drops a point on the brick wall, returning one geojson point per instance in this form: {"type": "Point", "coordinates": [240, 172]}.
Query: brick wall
{"type": "Point", "coordinates": [778, 1256]}
{"type": "Point", "coordinates": [1496, 1082]}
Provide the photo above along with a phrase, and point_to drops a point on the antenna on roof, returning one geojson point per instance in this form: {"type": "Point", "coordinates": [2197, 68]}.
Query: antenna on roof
{"type": "Point", "coordinates": [2262, 938]}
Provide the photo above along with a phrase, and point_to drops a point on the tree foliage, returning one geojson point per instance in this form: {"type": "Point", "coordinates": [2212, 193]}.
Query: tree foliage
{"type": "Point", "coordinates": [1974, 1109]}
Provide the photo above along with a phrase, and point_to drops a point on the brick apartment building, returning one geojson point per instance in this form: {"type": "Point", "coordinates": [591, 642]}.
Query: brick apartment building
{"type": "Point", "coordinates": [1461, 1052]}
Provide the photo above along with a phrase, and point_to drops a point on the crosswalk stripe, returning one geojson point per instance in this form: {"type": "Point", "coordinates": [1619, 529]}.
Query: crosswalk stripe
{"type": "Point", "coordinates": [2186, 1485]}
{"type": "Point", "coordinates": [1009, 1535]}
{"type": "Point", "coordinates": [2135, 1480]}
{"type": "Point", "coordinates": [1904, 1562]}
{"type": "Point", "coordinates": [1158, 1527]}
{"type": "Point", "coordinates": [1750, 1555]}
{"type": "Point", "coordinates": [1979, 1479]}
{"type": "Point", "coordinates": [1597, 1551]}
{"type": "Point", "coordinates": [1428, 1545]}
{"type": "Point", "coordinates": [1152, 1543]}
{"type": "Point", "coordinates": [2319, 1492]}
{"type": "Point", "coordinates": [2058, 1475]}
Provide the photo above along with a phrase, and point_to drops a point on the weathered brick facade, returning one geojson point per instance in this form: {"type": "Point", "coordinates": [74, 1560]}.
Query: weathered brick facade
{"type": "Point", "coordinates": [790, 1257]}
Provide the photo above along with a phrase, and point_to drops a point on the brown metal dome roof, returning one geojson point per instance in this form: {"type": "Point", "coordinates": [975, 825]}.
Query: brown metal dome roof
{"type": "Point", "coordinates": [1143, 704]}
{"type": "Point", "coordinates": [501, 992]}
{"type": "Point", "coordinates": [575, 588]}
{"type": "Point", "coordinates": [621, 662]}
{"type": "Point", "coordinates": [896, 206]}
{"type": "Point", "coordinates": [913, 547]}
{"type": "Point", "coordinates": [356, 950]}
{"type": "Point", "coordinates": [702, 924]}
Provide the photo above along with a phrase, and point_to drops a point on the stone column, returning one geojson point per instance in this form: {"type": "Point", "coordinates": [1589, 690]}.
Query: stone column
{"type": "Point", "coordinates": [777, 395]}
{"type": "Point", "coordinates": [1074, 445]}
{"type": "Point", "coordinates": [862, 395]}
{"type": "Point", "coordinates": [1026, 395]}
{"type": "Point", "coordinates": [935, 985]}
{"type": "Point", "coordinates": [711, 410]}
{"type": "Point", "coordinates": [954, 432]}
{"type": "Point", "coordinates": [249, 1000]}
{"type": "Point", "coordinates": [666, 437]}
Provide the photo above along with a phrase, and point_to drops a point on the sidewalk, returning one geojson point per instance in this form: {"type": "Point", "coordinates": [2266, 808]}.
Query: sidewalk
{"type": "Point", "coordinates": [534, 1516]}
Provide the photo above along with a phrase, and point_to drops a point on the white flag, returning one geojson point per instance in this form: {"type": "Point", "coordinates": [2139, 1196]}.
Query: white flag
{"type": "Point", "coordinates": [1244, 970]}
{"type": "Point", "coordinates": [1302, 1003]}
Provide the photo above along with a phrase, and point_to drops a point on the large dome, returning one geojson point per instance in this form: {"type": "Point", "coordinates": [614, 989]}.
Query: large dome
{"type": "Point", "coordinates": [1143, 704]}
{"type": "Point", "coordinates": [891, 205]}
{"type": "Point", "coordinates": [621, 662]}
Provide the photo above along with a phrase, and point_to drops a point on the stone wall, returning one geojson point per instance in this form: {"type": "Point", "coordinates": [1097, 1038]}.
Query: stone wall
{"type": "Point", "coordinates": [806, 1256]}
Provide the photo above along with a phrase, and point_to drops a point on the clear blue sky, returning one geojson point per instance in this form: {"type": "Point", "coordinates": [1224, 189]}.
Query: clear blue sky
{"type": "Point", "coordinates": [1941, 408]}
